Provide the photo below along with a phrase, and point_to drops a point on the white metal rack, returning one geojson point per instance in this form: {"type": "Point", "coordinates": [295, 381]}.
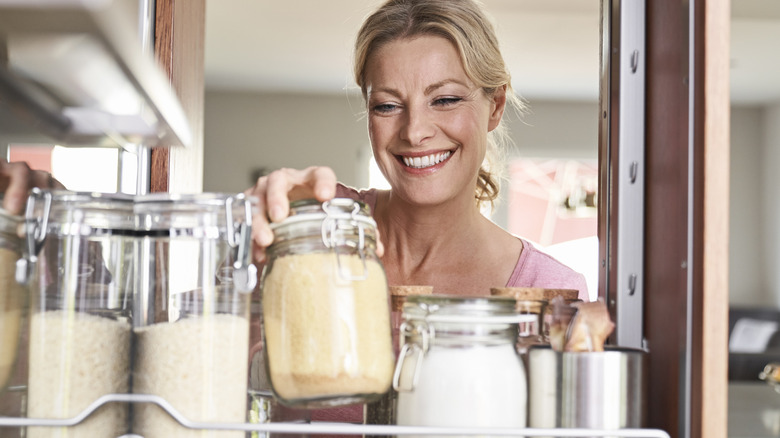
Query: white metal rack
{"type": "Point", "coordinates": [325, 428]}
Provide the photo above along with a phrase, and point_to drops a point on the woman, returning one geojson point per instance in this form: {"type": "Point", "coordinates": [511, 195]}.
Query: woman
{"type": "Point", "coordinates": [436, 89]}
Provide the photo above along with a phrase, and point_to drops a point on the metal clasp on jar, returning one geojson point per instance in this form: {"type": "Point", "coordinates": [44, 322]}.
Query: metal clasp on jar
{"type": "Point", "coordinates": [330, 236]}
{"type": "Point", "coordinates": [244, 272]}
{"type": "Point", "coordinates": [35, 229]}
{"type": "Point", "coordinates": [411, 331]}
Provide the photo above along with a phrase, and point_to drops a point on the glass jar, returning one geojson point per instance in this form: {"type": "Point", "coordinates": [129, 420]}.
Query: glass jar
{"type": "Point", "coordinates": [11, 296]}
{"type": "Point", "coordinates": [78, 265]}
{"type": "Point", "coordinates": [531, 303]}
{"type": "Point", "coordinates": [568, 296]}
{"type": "Point", "coordinates": [325, 307]}
{"type": "Point", "coordinates": [458, 365]}
{"type": "Point", "coordinates": [383, 411]}
{"type": "Point", "coordinates": [191, 321]}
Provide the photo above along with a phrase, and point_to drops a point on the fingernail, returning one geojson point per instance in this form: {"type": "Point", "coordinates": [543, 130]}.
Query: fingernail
{"type": "Point", "coordinates": [276, 213]}
{"type": "Point", "coordinates": [266, 237]}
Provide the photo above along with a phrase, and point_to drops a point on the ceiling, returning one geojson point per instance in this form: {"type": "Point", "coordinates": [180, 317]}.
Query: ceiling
{"type": "Point", "coordinates": [551, 46]}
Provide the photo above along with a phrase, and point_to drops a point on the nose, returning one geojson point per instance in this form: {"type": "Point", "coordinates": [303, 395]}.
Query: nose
{"type": "Point", "coordinates": [418, 126]}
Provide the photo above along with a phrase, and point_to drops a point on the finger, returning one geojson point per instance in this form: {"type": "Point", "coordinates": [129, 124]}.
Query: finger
{"type": "Point", "coordinates": [20, 180]}
{"type": "Point", "coordinates": [279, 187]}
{"type": "Point", "coordinates": [324, 183]}
{"type": "Point", "coordinates": [258, 254]}
{"type": "Point", "coordinates": [380, 247]}
{"type": "Point", "coordinates": [261, 231]}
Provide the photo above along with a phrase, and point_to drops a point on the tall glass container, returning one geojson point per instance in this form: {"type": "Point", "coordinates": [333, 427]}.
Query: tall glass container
{"type": "Point", "coordinates": [458, 365]}
{"type": "Point", "coordinates": [11, 297]}
{"type": "Point", "coordinates": [531, 303]}
{"type": "Point", "coordinates": [383, 411]}
{"type": "Point", "coordinates": [325, 307]}
{"type": "Point", "coordinates": [78, 264]}
{"type": "Point", "coordinates": [191, 321]}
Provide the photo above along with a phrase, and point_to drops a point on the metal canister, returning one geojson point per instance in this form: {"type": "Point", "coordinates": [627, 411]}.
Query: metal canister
{"type": "Point", "coordinates": [191, 320]}
{"type": "Point", "coordinates": [458, 365]}
{"type": "Point", "coordinates": [600, 390]}
{"type": "Point", "coordinates": [326, 319]}
{"type": "Point", "coordinates": [79, 268]}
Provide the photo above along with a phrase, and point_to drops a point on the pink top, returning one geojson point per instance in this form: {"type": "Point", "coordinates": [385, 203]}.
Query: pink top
{"type": "Point", "coordinates": [534, 268]}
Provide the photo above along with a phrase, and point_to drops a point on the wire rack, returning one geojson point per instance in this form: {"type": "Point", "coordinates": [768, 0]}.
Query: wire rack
{"type": "Point", "coordinates": [324, 428]}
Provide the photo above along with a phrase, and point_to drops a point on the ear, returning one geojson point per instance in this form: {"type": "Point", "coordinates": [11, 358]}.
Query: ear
{"type": "Point", "coordinates": [497, 107]}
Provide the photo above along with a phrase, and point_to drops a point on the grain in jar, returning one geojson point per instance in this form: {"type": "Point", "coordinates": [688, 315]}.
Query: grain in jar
{"type": "Point", "coordinates": [199, 366]}
{"type": "Point", "coordinates": [191, 318]}
{"type": "Point", "coordinates": [325, 307]}
{"type": "Point", "coordinates": [75, 358]}
{"type": "Point", "coordinates": [11, 294]}
{"type": "Point", "coordinates": [78, 268]}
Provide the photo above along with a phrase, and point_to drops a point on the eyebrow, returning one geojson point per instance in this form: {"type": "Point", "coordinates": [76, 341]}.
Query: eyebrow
{"type": "Point", "coordinates": [428, 90]}
{"type": "Point", "coordinates": [433, 87]}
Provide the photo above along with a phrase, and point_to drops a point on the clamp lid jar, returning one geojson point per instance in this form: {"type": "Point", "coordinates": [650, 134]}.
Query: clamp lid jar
{"type": "Point", "coordinates": [458, 365]}
{"type": "Point", "coordinates": [325, 307]}
{"type": "Point", "coordinates": [12, 301]}
{"type": "Point", "coordinates": [191, 321]}
{"type": "Point", "coordinates": [78, 268]}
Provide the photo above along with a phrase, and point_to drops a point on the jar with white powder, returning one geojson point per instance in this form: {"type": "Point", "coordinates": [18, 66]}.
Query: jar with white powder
{"type": "Point", "coordinates": [326, 308]}
{"type": "Point", "coordinates": [78, 267]}
{"type": "Point", "coordinates": [458, 365]}
{"type": "Point", "coordinates": [191, 314]}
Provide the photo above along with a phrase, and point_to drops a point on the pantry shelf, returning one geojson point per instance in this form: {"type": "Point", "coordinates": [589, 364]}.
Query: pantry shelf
{"type": "Point", "coordinates": [73, 72]}
{"type": "Point", "coordinates": [326, 428]}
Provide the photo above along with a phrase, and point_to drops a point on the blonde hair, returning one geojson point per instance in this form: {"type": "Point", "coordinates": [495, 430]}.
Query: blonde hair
{"type": "Point", "coordinates": [465, 25]}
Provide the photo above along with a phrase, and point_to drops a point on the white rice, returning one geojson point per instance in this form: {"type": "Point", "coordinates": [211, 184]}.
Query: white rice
{"type": "Point", "coordinates": [74, 359]}
{"type": "Point", "coordinates": [199, 365]}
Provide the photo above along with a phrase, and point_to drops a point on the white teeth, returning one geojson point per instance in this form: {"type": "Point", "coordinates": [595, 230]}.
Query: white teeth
{"type": "Point", "coordinates": [426, 161]}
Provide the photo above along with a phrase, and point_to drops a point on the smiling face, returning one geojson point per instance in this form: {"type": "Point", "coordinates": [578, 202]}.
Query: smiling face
{"type": "Point", "coordinates": [427, 121]}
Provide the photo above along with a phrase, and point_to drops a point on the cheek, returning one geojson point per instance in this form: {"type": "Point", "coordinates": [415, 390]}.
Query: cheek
{"type": "Point", "coordinates": [379, 130]}
{"type": "Point", "coordinates": [467, 126]}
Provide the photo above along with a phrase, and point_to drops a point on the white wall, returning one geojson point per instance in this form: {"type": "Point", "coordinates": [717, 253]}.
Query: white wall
{"type": "Point", "coordinates": [746, 279]}
{"type": "Point", "coordinates": [245, 131]}
{"type": "Point", "coordinates": [754, 241]}
{"type": "Point", "coordinates": [770, 204]}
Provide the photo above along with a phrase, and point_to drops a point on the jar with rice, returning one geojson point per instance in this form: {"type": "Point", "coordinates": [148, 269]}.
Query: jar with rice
{"type": "Point", "coordinates": [78, 266]}
{"type": "Point", "coordinates": [191, 313]}
{"type": "Point", "coordinates": [326, 307]}
{"type": "Point", "coordinates": [12, 299]}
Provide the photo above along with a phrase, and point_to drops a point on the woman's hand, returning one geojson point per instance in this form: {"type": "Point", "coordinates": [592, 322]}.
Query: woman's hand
{"type": "Point", "coordinates": [16, 180]}
{"type": "Point", "coordinates": [275, 191]}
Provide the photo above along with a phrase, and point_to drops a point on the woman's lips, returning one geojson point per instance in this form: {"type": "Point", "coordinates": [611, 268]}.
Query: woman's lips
{"type": "Point", "coordinates": [426, 160]}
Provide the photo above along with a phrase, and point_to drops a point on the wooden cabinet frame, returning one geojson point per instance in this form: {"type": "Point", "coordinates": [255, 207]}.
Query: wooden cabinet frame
{"type": "Point", "coordinates": [686, 212]}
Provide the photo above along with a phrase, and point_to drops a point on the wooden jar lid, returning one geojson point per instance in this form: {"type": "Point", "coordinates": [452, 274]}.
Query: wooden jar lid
{"type": "Point", "coordinates": [519, 293]}
{"type": "Point", "coordinates": [399, 294]}
{"type": "Point", "coordinates": [410, 290]}
{"type": "Point", "coordinates": [534, 293]}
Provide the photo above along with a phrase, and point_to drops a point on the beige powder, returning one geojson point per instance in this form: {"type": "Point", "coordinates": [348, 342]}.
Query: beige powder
{"type": "Point", "coordinates": [10, 313]}
{"type": "Point", "coordinates": [199, 365]}
{"type": "Point", "coordinates": [326, 337]}
{"type": "Point", "coordinates": [74, 359]}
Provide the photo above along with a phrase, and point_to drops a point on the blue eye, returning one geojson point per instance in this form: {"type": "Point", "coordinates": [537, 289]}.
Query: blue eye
{"type": "Point", "coordinates": [384, 107]}
{"type": "Point", "coordinates": [444, 101]}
